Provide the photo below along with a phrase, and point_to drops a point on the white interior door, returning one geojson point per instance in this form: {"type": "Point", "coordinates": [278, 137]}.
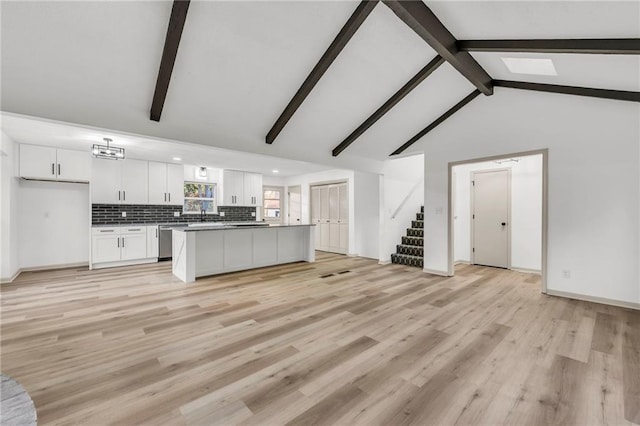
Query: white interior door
{"type": "Point", "coordinates": [295, 205]}
{"type": "Point", "coordinates": [490, 218]}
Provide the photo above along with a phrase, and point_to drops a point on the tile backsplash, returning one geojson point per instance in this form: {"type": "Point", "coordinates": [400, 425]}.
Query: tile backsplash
{"type": "Point", "coordinates": [111, 214]}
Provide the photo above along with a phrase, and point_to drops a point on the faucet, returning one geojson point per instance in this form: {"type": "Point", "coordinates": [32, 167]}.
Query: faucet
{"type": "Point", "coordinates": [202, 215]}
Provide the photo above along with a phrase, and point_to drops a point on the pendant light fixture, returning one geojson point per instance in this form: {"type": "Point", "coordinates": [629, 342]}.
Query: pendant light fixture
{"type": "Point", "coordinates": [107, 151]}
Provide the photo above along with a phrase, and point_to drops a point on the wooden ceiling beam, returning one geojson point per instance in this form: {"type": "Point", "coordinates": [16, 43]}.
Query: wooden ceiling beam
{"type": "Point", "coordinates": [619, 95]}
{"type": "Point", "coordinates": [471, 96]}
{"type": "Point", "coordinates": [426, 24]}
{"type": "Point", "coordinates": [613, 46]}
{"type": "Point", "coordinates": [390, 103]}
{"type": "Point", "coordinates": [348, 30]}
{"type": "Point", "coordinates": [169, 53]}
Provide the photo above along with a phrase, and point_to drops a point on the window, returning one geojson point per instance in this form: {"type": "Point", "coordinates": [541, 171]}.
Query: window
{"type": "Point", "coordinates": [199, 196]}
{"type": "Point", "coordinates": [272, 204]}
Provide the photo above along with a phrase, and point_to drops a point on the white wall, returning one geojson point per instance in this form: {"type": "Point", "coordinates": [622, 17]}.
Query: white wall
{"type": "Point", "coordinates": [367, 219]}
{"type": "Point", "coordinates": [9, 262]}
{"type": "Point", "coordinates": [305, 181]}
{"type": "Point", "coordinates": [526, 210]}
{"type": "Point", "coordinates": [364, 205]}
{"type": "Point", "coordinates": [593, 178]}
{"type": "Point", "coordinates": [403, 178]}
{"type": "Point", "coordinates": [54, 224]}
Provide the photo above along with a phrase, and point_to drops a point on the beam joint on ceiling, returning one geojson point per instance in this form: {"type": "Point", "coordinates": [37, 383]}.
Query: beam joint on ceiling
{"type": "Point", "coordinates": [390, 103]}
{"type": "Point", "coordinates": [619, 95]}
{"type": "Point", "coordinates": [169, 53]}
{"type": "Point", "coordinates": [471, 96]}
{"type": "Point", "coordinates": [365, 7]}
{"type": "Point", "coordinates": [613, 46]}
{"type": "Point", "coordinates": [427, 25]}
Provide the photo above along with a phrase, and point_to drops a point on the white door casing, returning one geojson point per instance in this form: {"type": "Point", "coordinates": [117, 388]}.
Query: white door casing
{"type": "Point", "coordinates": [295, 205]}
{"type": "Point", "coordinates": [490, 218]}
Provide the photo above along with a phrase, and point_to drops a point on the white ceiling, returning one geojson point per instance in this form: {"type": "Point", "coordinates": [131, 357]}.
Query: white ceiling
{"type": "Point", "coordinates": [81, 138]}
{"type": "Point", "coordinates": [239, 64]}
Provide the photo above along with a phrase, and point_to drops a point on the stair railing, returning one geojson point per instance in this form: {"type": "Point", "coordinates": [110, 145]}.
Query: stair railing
{"type": "Point", "coordinates": [404, 201]}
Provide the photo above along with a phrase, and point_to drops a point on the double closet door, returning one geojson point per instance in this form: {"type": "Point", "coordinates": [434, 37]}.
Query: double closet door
{"type": "Point", "coordinates": [330, 213]}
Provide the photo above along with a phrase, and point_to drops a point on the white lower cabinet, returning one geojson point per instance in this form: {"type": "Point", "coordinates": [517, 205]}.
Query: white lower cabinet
{"type": "Point", "coordinates": [105, 245]}
{"type": "Point", "coordinates": [120, 245]}
{"type": "Point", "coordinates": [152, 241]}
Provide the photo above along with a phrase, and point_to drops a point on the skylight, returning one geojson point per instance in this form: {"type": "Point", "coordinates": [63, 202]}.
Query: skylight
{"type": "Point", "coordinates": [535, 66]}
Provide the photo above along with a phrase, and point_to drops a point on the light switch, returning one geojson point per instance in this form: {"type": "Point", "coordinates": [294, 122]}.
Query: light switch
{"type": "Point", "coordinates": [124, 214]}
{"type": "Point", "coordinates": [253, 214]}
{"type": "Point", "coordinates": [221, 214]}
{"type": "Point", "coordinates": [176, 214]}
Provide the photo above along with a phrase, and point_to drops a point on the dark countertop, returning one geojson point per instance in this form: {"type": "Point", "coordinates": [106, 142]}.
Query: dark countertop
{"type": "Point", "coordinates": [241, 225]}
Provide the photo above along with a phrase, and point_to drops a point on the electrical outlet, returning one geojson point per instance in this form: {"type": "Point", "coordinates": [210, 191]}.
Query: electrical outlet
{"type": "Point", "coordinates": [438, 210]}
{"type": "Point", "coordinates": [221, 214]}
{"type": "Point", "coordinates": [124, 214]}
{"type": "Point", "coordinates": [176, 214]}
{"type": "Point", "coordinates": [566, 274]}
{"type": "Point", "coordinates": [253, 214]}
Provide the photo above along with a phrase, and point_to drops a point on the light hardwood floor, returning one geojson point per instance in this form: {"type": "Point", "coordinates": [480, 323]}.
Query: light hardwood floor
{"type": "Point", "coordinates": [340, 341]}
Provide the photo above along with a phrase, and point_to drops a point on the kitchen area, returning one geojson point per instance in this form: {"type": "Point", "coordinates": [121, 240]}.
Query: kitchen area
{"type": "Point", "coordinates": [147, 211]}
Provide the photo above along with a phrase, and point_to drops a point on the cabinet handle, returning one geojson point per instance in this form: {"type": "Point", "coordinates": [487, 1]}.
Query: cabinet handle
{"type": "Point", "coordinates": [122, 241]}
{"type": "Point", "coordinates": [169, 197]}
{"type": "Point", "coordinates": [53, 168]}
{"type": "Point", "coordinates": [165, 197]}
{"type": "Point", "coordinates": [59, 172]}
{"type": "Point", "coordinates": [118, 242]}
{"type": "Point", "coordinates": [156, 232]}
{"type": "Point", "coordinates": [124, 198]}
{"type": "Point", "coordinates": [118, 195]}
{"type": "Point", "coordinates": [106, 230]}
{"type": "Point", "coordinates": [133, 229]}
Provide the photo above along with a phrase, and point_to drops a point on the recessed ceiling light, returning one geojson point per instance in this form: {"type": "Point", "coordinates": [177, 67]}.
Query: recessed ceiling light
{"type": "Point", "coordinates": [535, 66]}
{"type": "Point", "coordinates": [177, 159]}
{"type": "Point", "coordinates": [275, 171]}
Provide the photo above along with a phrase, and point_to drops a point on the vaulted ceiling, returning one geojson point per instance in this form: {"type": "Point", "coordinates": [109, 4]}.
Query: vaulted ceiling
{"type": "Point", "coordinates": [239, 64]}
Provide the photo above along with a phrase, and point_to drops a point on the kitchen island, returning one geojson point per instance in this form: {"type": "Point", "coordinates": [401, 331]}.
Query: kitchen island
{"type": "Point", "coordinates": [215, 249]}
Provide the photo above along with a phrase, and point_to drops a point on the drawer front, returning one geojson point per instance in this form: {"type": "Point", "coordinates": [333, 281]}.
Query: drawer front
{"type": "Point", "coordinates": [106, 230]}
{"type": "Point", "coordinates": [142, 229]}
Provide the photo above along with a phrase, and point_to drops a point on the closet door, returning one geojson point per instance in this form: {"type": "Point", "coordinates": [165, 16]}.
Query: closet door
{"type": "Point", "coordinates": [315, 212]}
{"type": "Point", "coordinates": [334, 221]}
{"type": "Point", "coordinates": [324, 222]}
{"type": "Point", "coordinates": [343, 218]}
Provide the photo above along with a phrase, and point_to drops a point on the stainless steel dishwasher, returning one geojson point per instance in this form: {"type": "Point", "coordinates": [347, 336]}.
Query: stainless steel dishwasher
{"type": "Point", "coordinates": [164, 251]}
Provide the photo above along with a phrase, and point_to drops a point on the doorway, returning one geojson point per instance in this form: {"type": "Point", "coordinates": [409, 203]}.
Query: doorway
{"type": "Point", "coordinates": [295, 205]}
{"type": "Point", "coordinates": [490, 217]}
{"type": "Point", "coordinates": [525, 228]}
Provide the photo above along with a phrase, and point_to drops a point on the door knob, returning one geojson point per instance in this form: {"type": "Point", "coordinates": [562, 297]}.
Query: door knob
{"type": "Point", "coordinates": [504, 223]}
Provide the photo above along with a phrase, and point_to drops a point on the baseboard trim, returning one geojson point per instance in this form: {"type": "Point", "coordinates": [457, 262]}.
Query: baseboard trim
{"type": "Point", "coordinates": [435, 272]}
{"type": "Point", "coordinates": [124, 263]}
{"type": "Point", "coordinates": [461, 262]}
{"type": "Point", "coordinates": [10, 279]}
{"type": "Point", "coordinates": [526, 270]}
{"type": "Point", "coordinates": [43, 268]}
{"type": "Point", "coordinates": [594, 299]}
{"type": "Point", "coordinates": [384, 262]}
{"type": "Point", "coordinates": [54, 267]}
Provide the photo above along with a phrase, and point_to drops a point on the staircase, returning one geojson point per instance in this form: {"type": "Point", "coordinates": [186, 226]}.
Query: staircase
{"type": "Point", "coordinates": [410, 252]}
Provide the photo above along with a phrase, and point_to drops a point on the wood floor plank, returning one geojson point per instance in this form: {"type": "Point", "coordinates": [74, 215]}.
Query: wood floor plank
{"type": "Point", "coordinates": [342, 340]}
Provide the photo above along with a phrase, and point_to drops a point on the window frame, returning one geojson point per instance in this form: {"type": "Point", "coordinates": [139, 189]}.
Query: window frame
{"type": "Point", "coordinates": [279, 219]}
{"type": "Point", "coordinates": [213, 200]}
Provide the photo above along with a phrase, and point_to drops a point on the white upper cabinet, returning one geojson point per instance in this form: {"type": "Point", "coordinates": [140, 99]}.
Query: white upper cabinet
{"type": "Point", "coordinates": [46, 163]}
{"type": "Point", "coordinates": [175, 184]}
{"type": "Point", "coordinates": [106, 179]}
{"type": "Point", "coordinates": [166, 183]}
{"type": "Point", "coordinates": [252, 189]}
{"type": "Point", "coordinates": [119, 182]}
{"type": "Point", "coordinates": [135, 182]}
{"type": "Point", "coordinates": [232, 188]}
{"type": "Point", "coordinates": [241, 189]}
{"type": "Point", "coordinates": [157, 183]}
